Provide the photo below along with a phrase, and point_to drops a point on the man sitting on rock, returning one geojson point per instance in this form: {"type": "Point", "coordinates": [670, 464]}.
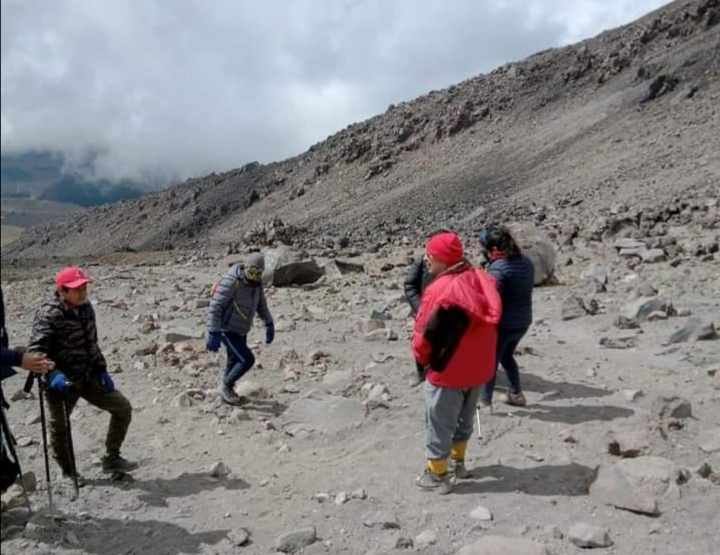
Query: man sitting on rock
{"type": "Point", "coordinates": [64, 330]}
{"type": "Point", "coordinates": [237, 298]}
{"type": "Point", "coordinates": [454, 339]}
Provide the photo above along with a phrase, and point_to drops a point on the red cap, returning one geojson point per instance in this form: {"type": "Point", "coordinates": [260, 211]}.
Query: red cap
{"type": "Point", "coordinates": [71, 277]}
{"type": "Point", "coordinates": [445, 247]}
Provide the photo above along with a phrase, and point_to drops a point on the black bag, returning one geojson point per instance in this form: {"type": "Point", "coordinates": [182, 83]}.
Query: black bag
{"type": "Point", "coordinates": [444, 331]}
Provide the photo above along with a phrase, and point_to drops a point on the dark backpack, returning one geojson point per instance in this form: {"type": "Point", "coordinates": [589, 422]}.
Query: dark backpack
{"type": "Point", "coordinates": [444, 331]}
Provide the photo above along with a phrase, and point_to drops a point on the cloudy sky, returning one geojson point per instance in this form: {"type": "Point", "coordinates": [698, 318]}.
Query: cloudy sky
{"type": "Point", "coordinates": [182, 87]}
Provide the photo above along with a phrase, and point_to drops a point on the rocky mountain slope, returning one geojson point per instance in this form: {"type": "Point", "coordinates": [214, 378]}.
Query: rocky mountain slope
{"type": "Point", "coordinates": [625, 120]}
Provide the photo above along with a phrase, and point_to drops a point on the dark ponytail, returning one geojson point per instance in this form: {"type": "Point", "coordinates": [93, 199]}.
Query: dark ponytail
{"type": "Point", "coordinates": [499, 237]}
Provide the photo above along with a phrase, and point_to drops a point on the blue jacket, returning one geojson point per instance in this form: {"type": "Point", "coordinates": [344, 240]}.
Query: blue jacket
{"type": "Point", "coordinates": [515, 277]}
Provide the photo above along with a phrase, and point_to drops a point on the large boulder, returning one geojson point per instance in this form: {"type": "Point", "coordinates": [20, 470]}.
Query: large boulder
{"type": "Point", "coordinates": [640, 485]}
{"type": "Point", "coordinates": [285, 267]}
{"type": "Point", "coordinates": [538, 248]}
{"type": "Point", "coordinates": [694, 330]}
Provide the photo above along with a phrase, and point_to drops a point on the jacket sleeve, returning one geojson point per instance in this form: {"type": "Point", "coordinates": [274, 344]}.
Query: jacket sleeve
{"type": "Point", "coordinates": [497, 270]}
{"type": "Point", "coordinates": [43, 330]}
{"type": "Point", "coordinates": [420, 345]}
{"type": "Point", "coordinates": [263, 311]}
{"type": "Point", "coordinates": [413, 285]}
{"type": "Point", "coordinates": [221, 299]}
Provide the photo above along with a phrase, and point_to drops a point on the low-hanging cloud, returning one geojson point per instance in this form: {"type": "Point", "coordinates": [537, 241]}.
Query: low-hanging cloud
{"type": "Point", "coordinates": [174, 89]}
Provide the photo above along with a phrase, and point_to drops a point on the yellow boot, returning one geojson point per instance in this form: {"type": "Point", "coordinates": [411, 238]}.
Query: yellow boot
{"type": "Point", "coordinates": [436, 476]}
{"type": "Point", "coordinates": [457, 456]}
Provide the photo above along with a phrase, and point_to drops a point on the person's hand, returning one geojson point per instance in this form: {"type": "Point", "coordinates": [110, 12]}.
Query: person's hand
{"type": "Point", "coordinates": [57, 381]}
{"type": "Point", "coordinates": [213, 341]}
{"type": "Point", "coordinates": [106, 382]}
{"type": "Point", "coordinates": [269, 333]}
{"type": "Point", "coordinates": [37, 363]}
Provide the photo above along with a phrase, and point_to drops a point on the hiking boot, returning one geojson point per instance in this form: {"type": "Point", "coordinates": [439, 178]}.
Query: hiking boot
{"type": "Point", "coordinates": [116, 463]}
{"type": "Point", "coordinates": [229, 397]}
{"type": "Point", "coordinates": [459, 470]}
{"type": "Point", "coordinates": [516, 399]}
{"type": "Point", "coordinates": [428, 481]}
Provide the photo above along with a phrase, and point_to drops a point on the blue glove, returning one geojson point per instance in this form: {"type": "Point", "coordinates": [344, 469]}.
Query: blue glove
{"type": "Point", "coordinates": [269, 333]}
{"type": "Point", "coordinates": [58, 382]}
{"type": "Point", "coordinates": [106, 382]}
{"type": "Point", "coordinates": [213, 341]}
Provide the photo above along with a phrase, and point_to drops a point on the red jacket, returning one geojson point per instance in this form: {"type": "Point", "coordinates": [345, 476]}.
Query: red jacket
{"type": "Point", "coordinates": [473, 362]}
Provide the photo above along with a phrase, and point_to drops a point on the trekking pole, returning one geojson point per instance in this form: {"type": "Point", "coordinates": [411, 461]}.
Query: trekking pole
{"type": "Point", "coordinates": [71, 448]}
{"type": "Point", "coordinates": [43, 422]}
{"type": "Point", "coordinates": [11, 448]}
{"type": "Point", "coordinates": [477, 420]}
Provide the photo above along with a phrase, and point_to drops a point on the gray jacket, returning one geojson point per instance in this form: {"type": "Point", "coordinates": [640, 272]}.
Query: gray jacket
{"type": "Point", "coordinates": [235, 303]}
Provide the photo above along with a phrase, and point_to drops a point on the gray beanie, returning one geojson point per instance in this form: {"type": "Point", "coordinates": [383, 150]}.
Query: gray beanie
{"type": "Point", "coordinates": [255, 260]}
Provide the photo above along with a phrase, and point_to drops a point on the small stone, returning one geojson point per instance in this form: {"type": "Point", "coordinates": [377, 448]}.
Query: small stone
{"type": "Point", "coordinates": [292, 542]}
{"type": "Point", "coordinates": [709, 441]}
{"type": "Point", "coordinates": [567, 436]}
{"type": "Point", "coordinates": [202, 303]}
{"type": "Point", "coordinates": [342, 498]}
{"type": "Point", "coordinates": [321, 497]}
{"type": "Point", "coordinates": [694, 330]}
{"type": "Point", "coordinates": [481, 513]}
{"type": "Point", "coordinates": [20, 395]}
{"type": "Point", "coordinates": [381, 519]}
{"type": "Point", "coordinates": [704, 470]}
{"type": "Point", "coordinates": [587, 535]}
{"type": "Point", "coordinates": [404, 543]}
{"type": "Point", "coordinates": [424, 539]}
{"type": "Point", "coordinates": [657, 315]}
{"type": "Point", "coordinates": [147, 349]}
{"type": "Point", "coordinates": [25, 441]}
{"type": "Point", "coordinates": [671, 407]}
{"type": "Point", "coordinates": [32, 420]}
{"type": "Point", "coordinates": [183, 401]}
{"type": "Point", "coordinates": [572, 308]}
{"type": "Point", "coordinates": [632, 394]}
{"type": "Point", "coordinates": [359, 494]}
{"type": "Point", "coordinates": [240, 536]}
{"type": "Point", "coordinates": [219, 470]}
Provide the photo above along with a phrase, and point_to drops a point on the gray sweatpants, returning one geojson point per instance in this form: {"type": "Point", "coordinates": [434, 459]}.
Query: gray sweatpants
{"type": "Point", "coordinates": [448, 418]}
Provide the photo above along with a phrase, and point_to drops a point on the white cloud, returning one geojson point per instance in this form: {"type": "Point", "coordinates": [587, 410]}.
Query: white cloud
{"type": "Point", "coordinates": [184, 88]}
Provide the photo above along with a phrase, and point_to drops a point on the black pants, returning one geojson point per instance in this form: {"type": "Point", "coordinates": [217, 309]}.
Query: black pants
{"type": "Point", "coordinates": [508, 340]}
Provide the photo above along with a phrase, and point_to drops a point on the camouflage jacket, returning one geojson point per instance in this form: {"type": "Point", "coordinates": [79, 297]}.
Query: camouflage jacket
{"type": "Point", "coordinates": [68, 336]}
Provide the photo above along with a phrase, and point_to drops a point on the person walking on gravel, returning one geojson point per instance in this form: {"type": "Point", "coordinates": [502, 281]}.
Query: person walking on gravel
{"type": "Point", "coordinates": [515, 276]}
{"type": "Point", "coordinates": [237, 298]}
{"type": "Point", "coordinates": [65, 331]}
{"type": "Point", "coordinates": [454, 340]}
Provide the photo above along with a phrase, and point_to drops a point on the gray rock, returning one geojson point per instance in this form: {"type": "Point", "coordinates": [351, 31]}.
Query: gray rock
{"type": "Point", "coordinates": [709, 440]}
{"type": "Point", "coordinates": [292, 542]}
{"type": "Point", "coordinates": [219, 470]}
{"type": "Point", "coordinates": [202, 303]}
{"type": "Point", "coordinates": [572, 307]}
{"type": "Point", "coordinates": [587, 535]}
{"type": "Point", "coordinates": [179, 335]}
{"type": "Point", "coordinates": [383, 520]}
{"type": "Point", "coordinates": [627, 243]}
{"type": "Point", "coordinates": [381, 335]}
{"type": "Point", "coordinates": [672, 406]}
{"type": "Point", "coordinates": [639, 309]}
{"type": "Point", "coordinates": [481, 513]}
{"type": "Point", "coordinates": [404, 543]}
{"type": "Point", "coordinates": [285, 267]}
{"type": "Point", "coordinates": [694, 330]}
{"type": "Point", "coordinates": [339, 268]}
{"type": "Point", "coordinates": [626, 342]}
{"type": "Point", "coordinates": [500, 545]}
{"type": "Point", "coordinates": [250, 389]}
{"type": "Point", "coordinates": [424, 539]}
{"type": "Point", "coordinates": [359, 494]}
{"type": "Point", "coordinates": [342, 498]}
{"type": "Point", "coordinates": [147, 349]}
{"type": "Point", "coordinates": [650, 256]}
{"type": "Point", "coordinates": [239, 537]}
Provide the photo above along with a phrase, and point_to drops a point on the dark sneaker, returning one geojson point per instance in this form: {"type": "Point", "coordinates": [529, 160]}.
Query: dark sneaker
{"type": "Point", "coordinates": [116, 463]}
{"type": "Point", "coordinates": [459, 470]}
{"type": "Point", "coordinates": [516, 399]}
{"type": "Point", "coordinates": [229, 396]}
{"type": "Point", "coordinates": [429, 481]}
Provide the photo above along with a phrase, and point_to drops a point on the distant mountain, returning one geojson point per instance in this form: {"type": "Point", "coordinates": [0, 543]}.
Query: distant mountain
{"type": "Point", "coordinates": [43, 175]}
{"type": "Point", "coordinates": [567, 138]}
